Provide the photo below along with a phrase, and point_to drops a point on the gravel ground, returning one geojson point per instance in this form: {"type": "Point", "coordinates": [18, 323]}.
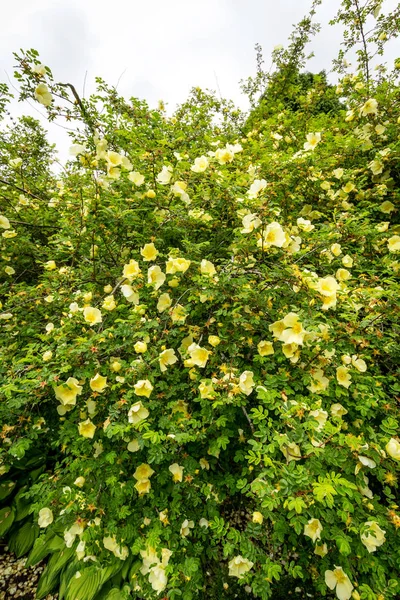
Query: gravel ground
{"type": "Point", "coordinates": [15, 580]}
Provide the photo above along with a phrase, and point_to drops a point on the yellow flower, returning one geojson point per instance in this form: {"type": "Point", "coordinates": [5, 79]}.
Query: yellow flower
{"type": "Point", "coordinates": [257, 518]}
{"type": "Point", "coordinates": [130, 294]}
{"type": "Point", "coordinates": [376, 166]}
{"type": "Point", "coordinates": [369, 108]}
{"type": "Point", "coordinates": [149, 252]}
{"type": "Point", "coordinates": [214, 340]}
{"type": "Point", "coordinates": [47, 355]}
{"type": "Point", "coordinates": [321, 550]}
{"type": "Point", "coordinates": [131, 270]}
{"type": "Point", "coordinates": [339, 580]}
{"type": "Point", "coordinates": [291, 451]}
{"type": "Point", "coordinates": [393, 448]}
{"type": "Point", "coordinates": [265, 348]}
{"type": "Point", "coordinates": [173, 265]}
{"type": "Point", "coordinates": [387, 207]}
{"type": "Point", "coordinates": [312, 140]}
{"type": "Point", "coordinates": [164, 176]}
{"type": "Point", "coordinates": [373, 537]}
{"type": "Point", "coordinates": [186, 527]}
{"type": "Point", "coordinates": [320, 416]}
{"type": "Point", "coordinates": [293, 332]}
{"type": "Point", "coordinates": [343, 274]}
{"type": "Point", "coordinates": [11, 271]}
{"type": "Point", "coordinates": [204, 464]}
{"type": "Point", "coordinates": [272, 236]}
{"type": "Point", "coordinates": [164, 302]}
{"type": "Point", "coordinates": [319, 382]}
{"type": "Point", "coordinates": [304, 224]}
{"type": "Point", "coordinates": [277, 328]}
{"type": "Point", "coordinates": [200, 164]}
{"type": "Point", "coordinates": [256, 187]}
{"type": "Point", "coordinates": [109, 303]}
{"type": "Point", "coordinates": [113, 158]}
{"type": "Point", "coordinates": [343, 377]}
{"type": "Point", "coordinates": [336, 249]}
{"type": "Point", "coordinates": [338, 173]}
{"type": "Point", "coordinates": [155, 276]}
{"type": "Point", "coordinates": [313, 529]}
{"type": "Point", "coordinates": [206, 389]}
{"type": "Point", "coordinates": [86, 429]}
{"type": "Point", "coordinates": [394, 243]}
{"type": "Point", "coordinates": [133, 446]}
{"type": "Point", "coordinates": [337, 410]}
{"type": "Point", "coordinates": [136, 178]}
{"type": "Point", "coordinates": [327, 286]}
{"type": "Point", "coordinates": [4, 222]}
{"type": "Point", "coordinates": [92, 315]}
{"type": "Point", "coordinates": [50, 265]}
{"type": "Point", "coordinates": [163, 516]}
{"type": "Point", "coordinates": [67, 392]}
{"type": "Point", "coordinates": [45, 517]}
{"type": "Point", "coordinates": [98, 383]}
{"type": "Point", "coordinates": [143, 486]}
{"type": "Point", "coordinates": [178, 314]}
{"type": "Point", "coordinates": [198, 356]}
{"type": "Point", "coordinates": [224, 155]}
{"type": "Point", "coordinates": [9, 234]}
{"type": "Point", "coordinates": [167, 357]}
{"type": "Point", "coordinates": [250, 223]}
{"type": "Point", "coordinates": [143, 388]}
{"type": "Point", "coordinates": [207, 268]}
{"type": "Point", "coordinates": [140, 347]}
{"type": "Point", "coordinates": [43, 95]}
{"type": "Point", "coordinates": [347, 261]}
{"type": "Point", "coordinates": [177, 472]}
{"type": "Point", "coordinates": [79, 482]}
{"type": "Point", "coordinates": [246, 382]}
{"type": "Point", "coordinates": [359, 363]}
{"type": "Point", "coordinates": [137, 413]}
{"type": "Point", "coordinates": [239, 566]}
{"type": "Point", "coordinates": [143, 471]}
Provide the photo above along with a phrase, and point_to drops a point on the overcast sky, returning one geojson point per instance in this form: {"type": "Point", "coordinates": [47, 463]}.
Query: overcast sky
{"type": "Point", "coordinates": [157, 49]}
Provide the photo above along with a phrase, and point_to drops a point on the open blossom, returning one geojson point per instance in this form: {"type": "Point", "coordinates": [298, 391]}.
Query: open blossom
{"type": "Point", "coordinates": [291, 451]}
{"type": "Point", "coordinates": [130, 294]}
{"type": "Point", "coordinates": [293, 332]}
{"type": "Point", "coordinates": [198, 356]}
{"type": "Point", "coordinates": [87, 429]}
{"type": "Point", "coordinates": [143, 471]}
{"type": "Point", "coordinates": [327, 286]}
{"type": "Point", "coordinates": [239, 566]}
{"type": "Point", "coordinates": [178, 314]}
{"type": "Point", "coordinates": [319, 382]}
{"type": "Point", "coordinates": [272, 236]}
{"type": "Point", "coordinates": [321, 416]}
{"type": "Point", "coordinates": [92, 315]}
{"type": "Point", "coordinates": [98, 383]}
{"type": "Point", "coordinates": [207, 268]}
{"type": "Point", "coordinates": [109, 303]}
{"type": "Point", "coordinates": [136, 178]}
{"type": "Point", "coordinates": [250, 223]}
{"type": "Point", "coordinates": [265, 348]}
{"type": "Point", "coordinates": [200, 164]}
{"type": "Point", "coordinates": [45, 517]}
{"type": "Point", "coordinates": [67, 392]}
{"type": "Point", "coordinates": [337, 410]}
{"type": "Point", "coordinates": [149, 252]}
{"type": "Point", "coordinates": [177, 472]}
{"type": "Point", "coordinates": [206, 389]}
{"type": "Point", "coordinates": [131, 270]}
{"type": "Point", "coordinates": [305, 224]}
{"type": "Point", "coordinates": [4, 222]}
{"type": "Point", "coordinates": [43, 95]}
{"type": "Point", "coordinates": [143, 388]}
{"type": "Point", "coordinates": [225, 155]}
{"type": "Point", "coordinates": [155, 276]}
{"type": "Point", "coordinates": [373, 536]}
{"type": "Point", "coordinates": [111, 544]}
{"type": "Point", "coordinates": [164, 302]}
{"type": "Point", "coordinates": [312, 140]}
{"type": "Point", "coordinates": [313, 529]}
{"type": "Point", "coordinates": [369, 108]}
{"type": "Point", "coordinates": [394, 243]}
{"type": "Point", "coordinates": [256, 187]}
{"type": "Point", "coordinates": [393, 448]}
{"type": "Point", "coordinates": [175, 265]}
{"type": "Point", "coordinates": [186, 527]}
{"type": "Point", "coordinates": [339, 580]}
{"type": "Point", "coordinates": [137, 413]}
{"type": "Point", "coordinates": [164, 176]}
{"type": "Point", "coordinates": [257, 518]}
{"type": "Point", "coordinates": [246, 382]}
{"type": "Point", "coordinates": [343, 377]}
{"type": "Point", "coordinates": [140, 347]}
{"type": "Point", "coordinates": [166, 358]}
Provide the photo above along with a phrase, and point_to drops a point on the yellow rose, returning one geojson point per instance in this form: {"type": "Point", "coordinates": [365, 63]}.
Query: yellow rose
{"type": "Point", "coordinates": [4, 222]}
{"type": "Point", "coordinates": [143, 471]}
{"type": "Point", "coordinates": [265, 348]}
{"type": "Point", "coordinates": [143, 388]}
{"type": "Point", "coordinates": [200, 164]}
{"type": "Point", "coordinates": [67, 392]}
{"type": "Point", "coordinates": [313, 529]}
{"type": "Point", "coordinates": [140, 347]}
{"type": "Point", "coordinates": [109, 303]}
{"type": "Point", "coordinates": [214, 340]}
{"type": "Point", "coordinates": [45, 517]}
{"type": "Point", "coordinates": [137, 413]}
{"type": "Point", "coordinates": [393, 448]}
{"type": "Point", "coordinates": [238, 566]}
{"type": "Point", "coordinates": [207, 268]}
{"type": "Point", "coordinates": [98, 383]}
{"type": "Point", "coordinates": [149, 252]}
{"type": "Point", "coordinates": [136, 178]}
{"type": "Point", "coordinates": [198, 356]}
{"type": "Point", "coordinates": [131, 270]}
{"type": "Point", "coordinates": [177, 472]}
{"type": "Point", "coordinates": [246, 382]}
{"type": "Point", "coordinates": [43, 95]}
{"type": "Point", "coordinates": [87, 429]}
{"type": "Point", "coordinates": [206, 389]}
{"type": "Point", "coordinates": [92, 315]}
{"type": "Point", "coordinates": [155, 276]}
{"type": "Point", "coordinates": [164, 302]}
{"type": "Point", "coordinates": [166, 358]}
{"type": "Point", "coordinates": [257, 518]}
{"type": "Point", "coordinates": [343, 377]}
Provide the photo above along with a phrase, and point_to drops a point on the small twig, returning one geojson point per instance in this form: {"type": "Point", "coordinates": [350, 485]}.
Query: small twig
{"type": "Point", "coordinates": [248, 419]}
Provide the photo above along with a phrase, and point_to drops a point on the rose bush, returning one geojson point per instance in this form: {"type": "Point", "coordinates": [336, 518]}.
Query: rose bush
{"type": "Point", "coordinates": [199, 359]}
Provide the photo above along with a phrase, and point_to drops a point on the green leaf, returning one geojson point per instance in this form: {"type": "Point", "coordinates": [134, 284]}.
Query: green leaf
{"type": "Point", "coordinates": [22, 540]}
{"type": "Point", "coordinates": [42, 547]}
{"type": "Point", "coordinates": [6, 519]}
{"type": "Point", "coordinates": [50, 575]}
{"type": "Point", "coordinates": [6, 488]}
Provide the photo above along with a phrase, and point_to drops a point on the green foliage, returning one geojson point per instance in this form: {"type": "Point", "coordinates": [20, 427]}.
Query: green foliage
{"type": "Point", "coordinates": [199, 328]}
